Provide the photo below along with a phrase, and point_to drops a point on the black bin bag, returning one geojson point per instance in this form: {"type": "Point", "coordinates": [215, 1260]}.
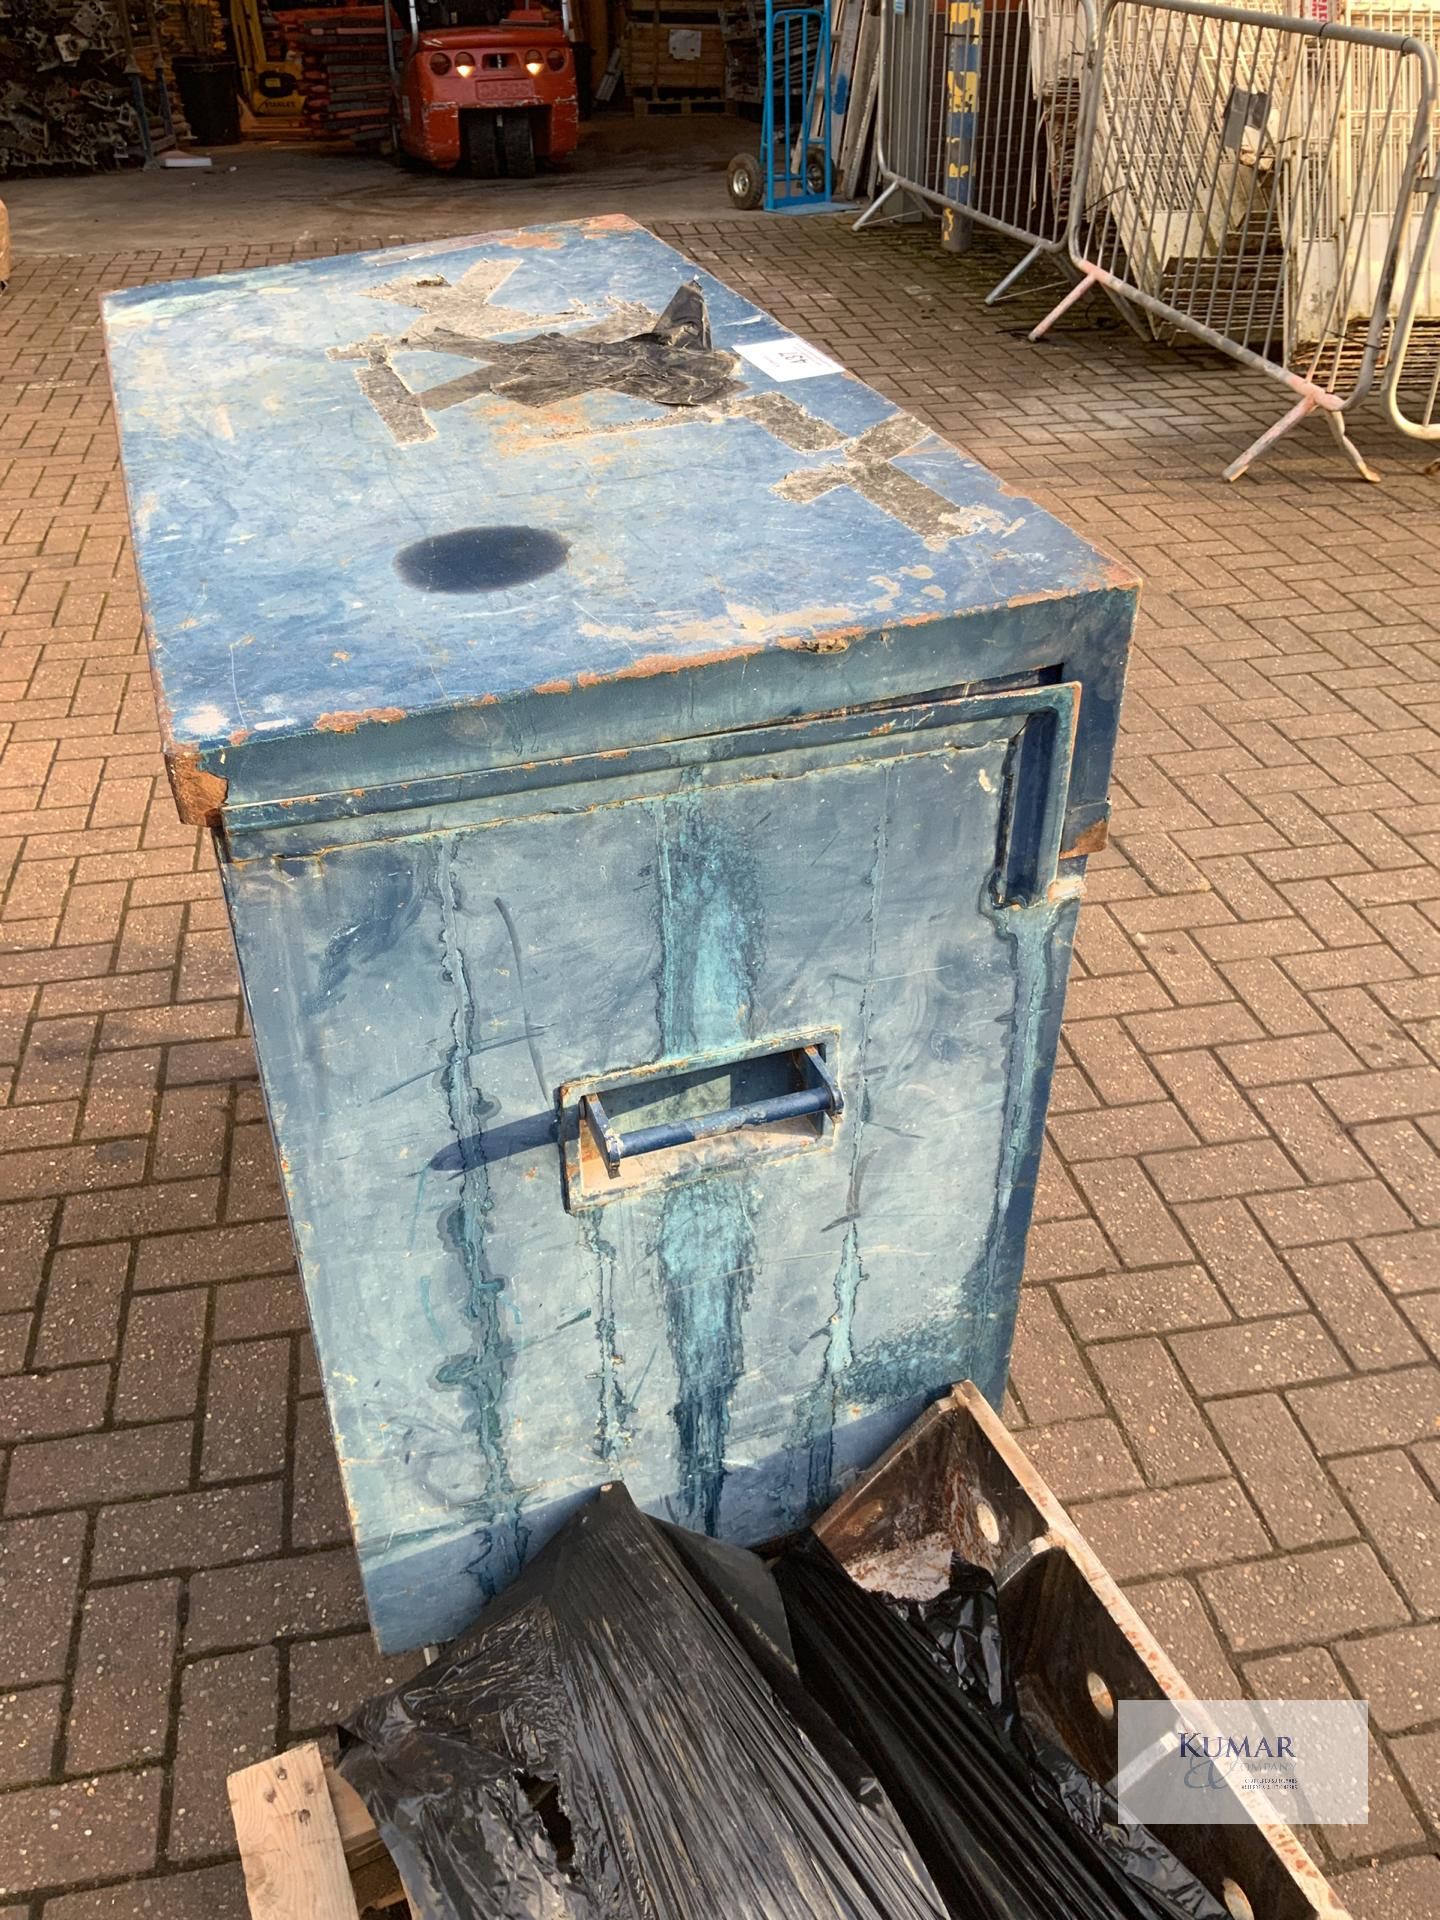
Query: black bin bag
{"type": "Point", "coordinates": [1009, 1825]}
{"type": "Point", "coordinates": [608, 1741]}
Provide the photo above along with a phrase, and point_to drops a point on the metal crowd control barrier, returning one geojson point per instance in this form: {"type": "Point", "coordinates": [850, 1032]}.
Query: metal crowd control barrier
{"type": "Point", "coordinates": [1251, 179]}
{"type": "Point", "coordinates": [1411, 392]}
{"type": "Point", "coordinates": [979, 114]}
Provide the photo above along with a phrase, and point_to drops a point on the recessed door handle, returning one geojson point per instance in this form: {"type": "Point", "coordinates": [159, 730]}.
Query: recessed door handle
{"type": "Point", "coordinates": [822, 1095]}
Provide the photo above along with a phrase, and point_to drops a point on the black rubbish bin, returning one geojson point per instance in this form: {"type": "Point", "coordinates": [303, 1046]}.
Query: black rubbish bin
{"type": "Point", "coordinates": [210, 95]}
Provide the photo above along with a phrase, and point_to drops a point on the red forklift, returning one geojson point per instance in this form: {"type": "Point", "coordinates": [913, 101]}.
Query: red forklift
{"type": "Point", "coordinates": [482, 84]}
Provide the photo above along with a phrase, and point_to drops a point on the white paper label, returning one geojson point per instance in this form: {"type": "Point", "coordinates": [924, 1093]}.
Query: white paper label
{"type": "Point", "coordinates": [685, 43]}
{"type": "Point", "coordinates": [789, 359]}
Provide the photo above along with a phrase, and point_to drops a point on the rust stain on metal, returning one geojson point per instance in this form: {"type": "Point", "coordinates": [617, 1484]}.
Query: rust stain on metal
{"type": "Point", "coordinates": [651, 664]}
{"type": "Point", "coordinates": [199, 796]}
{"type": "Point", "coordinates": [239, 736]}
{"type": "Point", "coordinates": [1038, 597]}
{"type": "Point", "coordinates": [820, 643]}
{"type": "Point", "coordinates": [1117, 573]}
{"type": "Point", "coordinates": [348, 722]}
{"type": "Point", "coordinates": [540, 237]}
{"type": "Point", "coordinates": [1092, 840]}
{"type": "Point", "coordinates": [553, 686]}
{"type": "Point", "coordinates": [833, 640]}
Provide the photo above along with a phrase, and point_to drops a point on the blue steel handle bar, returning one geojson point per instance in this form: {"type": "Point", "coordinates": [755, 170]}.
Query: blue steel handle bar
{"type": "Point", "coordinates": [822, 1096]}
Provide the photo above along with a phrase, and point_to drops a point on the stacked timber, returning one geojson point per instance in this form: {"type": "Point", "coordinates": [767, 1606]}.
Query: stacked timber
{"type": "Point", "coordinates": [854, 87]}
{"type": "Point", "coordinates": [742, 28]}
{"type": "Point", "coordinates": [344, 76]}
{"type": "Point", "coordinates": [673, 56]}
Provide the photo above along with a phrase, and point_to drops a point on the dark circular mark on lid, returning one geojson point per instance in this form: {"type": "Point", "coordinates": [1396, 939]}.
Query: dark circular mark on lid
{"type": "Point", "coordinates": [480, 559]}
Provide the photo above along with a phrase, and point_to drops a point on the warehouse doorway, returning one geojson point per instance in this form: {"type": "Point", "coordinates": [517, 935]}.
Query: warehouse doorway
{"type": "Point", "coordinates": [498, 88]}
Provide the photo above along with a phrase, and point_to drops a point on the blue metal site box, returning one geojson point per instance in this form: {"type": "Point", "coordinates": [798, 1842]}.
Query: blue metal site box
{"type": "Point", "coordinates": [651, 775]}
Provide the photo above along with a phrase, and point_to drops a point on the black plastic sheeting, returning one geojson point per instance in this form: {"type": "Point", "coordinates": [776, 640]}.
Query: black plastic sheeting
{"type": "Point", "coordinates": [603, 1745]}
{"type": "Point", "coordinates": [648, 1724]}
{"type": "Point", "coordinates": [673, 362]}
{"type": "Point", "coordinates": [1009, 1825]}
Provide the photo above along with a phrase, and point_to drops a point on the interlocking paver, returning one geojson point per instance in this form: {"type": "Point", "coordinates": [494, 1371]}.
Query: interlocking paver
{"type": "Point", "coordinates": [1157, 1300]}
{"type": "Point", "coordinates": [1226, 1350]}
{"type": "Point", "coordinates": [210, 1893]}
{"type": "Point", "coordinates": [1402, 1516]}
{"type": "Point", "coordinates": [120, 1711]}
{"type": "Point", "coordinates": [1257, 1354]}
{"type": "Point", "coordinates": [1387, 1409]}
{"type": "Point", "coordinates": [246, 1400]}
{"type": "Point", "coordinates": [161, 1355]}
{"type": "Point", "coordinates": [85, 1829]}
{"type": "Point", "coordinates": [83, 1300]}
{"type": "Point", "coordinates": [40, 1565]}
{"type": "Point", "coordinates": [228, 1719]}
{"type": "Point", "coordinates": [1164, 1529]}
{"type": "Point", "coordinates": [1306, 1597]}
{"type": "Point", "coordinates": [30, 1722]}
{"type": "Point", "coordinates": [1083, 1457]}
{"type": "Point", "coordinates": [328, 1676]}
{"type": "Point", "coordinates": [1295, 1496]}
{"type": "Point", "coordinates": [1312, 1675]}
{"type": "Point", "coordinates": [268, 1600]}
{"type": "Point", "coordinates": [1164, 1426]}
{"type": "Point", "coordinates": [1398, 1673]}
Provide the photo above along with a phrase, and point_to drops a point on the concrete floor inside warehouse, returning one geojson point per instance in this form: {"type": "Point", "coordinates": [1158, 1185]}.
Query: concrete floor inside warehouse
{"type": "Point", "coordinates": [1228, 1359]}
{"type": "Point", "coordinates": [652, 166]}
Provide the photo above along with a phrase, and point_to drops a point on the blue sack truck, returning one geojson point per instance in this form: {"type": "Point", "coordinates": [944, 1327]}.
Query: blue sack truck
{"type": "Point", "coordinates": [794, 167]}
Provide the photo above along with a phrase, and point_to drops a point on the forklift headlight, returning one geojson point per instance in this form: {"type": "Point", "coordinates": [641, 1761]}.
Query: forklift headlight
{"type": "Point", "coordinates": [534, 62]}
{"type": "Point", "coordinates": [556, 59]}
{"type": "Point", "coordinates": [439, 63]}
{"type": "Point", "coordinates": [465, 65]}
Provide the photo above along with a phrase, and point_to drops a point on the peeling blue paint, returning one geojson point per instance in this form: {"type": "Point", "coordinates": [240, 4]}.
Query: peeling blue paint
{"type": "Point", "coordinates": [823, 1403]}
{"type": "Point", "coordinates": [1040, 940]}
{"type": "Point", "coordinates": [705, 1260]}
{"type": "Point", "coordinates": [823, 1406]}
{"type": "Point", "coordinates": [390, 906]}
{"type": "Point", "coordinates": [615, 1409]}
{"type": "Point", "coordinates": [711, 949]}
{"type": "Point", "coordinates": [711, 937]}
{"type": "Point", "coordinates": [480, 1372]}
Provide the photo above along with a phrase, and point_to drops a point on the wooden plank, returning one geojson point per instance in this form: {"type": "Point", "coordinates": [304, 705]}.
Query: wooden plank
{"type": "Point", "coordinates": [289, 1839]}
{"type": "Point", "coordinates": [358, 1832]}
{"type": "Point", "coordinates": [860, 108]}
{"type": "Point", "coordinates": [845, 25]}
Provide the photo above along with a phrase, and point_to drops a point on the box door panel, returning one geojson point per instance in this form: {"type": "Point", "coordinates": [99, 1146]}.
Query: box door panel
{"type": "Point", "coordinates": [735, 1333]}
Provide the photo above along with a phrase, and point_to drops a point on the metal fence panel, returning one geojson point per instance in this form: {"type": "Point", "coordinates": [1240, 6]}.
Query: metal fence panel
{"type": "Point", "coordinates": [1411, 390]}
{"type": "Point", "coordinates": [979, 112]}
{"type": "Point", "coordinates": [1250, 178]}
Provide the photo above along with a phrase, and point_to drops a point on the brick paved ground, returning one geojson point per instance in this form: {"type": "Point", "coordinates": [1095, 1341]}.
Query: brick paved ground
{"type": "Point", "coordinates": [1227, 1356]}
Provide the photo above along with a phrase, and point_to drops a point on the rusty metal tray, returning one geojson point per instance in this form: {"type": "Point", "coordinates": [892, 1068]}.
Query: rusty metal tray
{"type": "Point", "coordinates": [957, 1481]}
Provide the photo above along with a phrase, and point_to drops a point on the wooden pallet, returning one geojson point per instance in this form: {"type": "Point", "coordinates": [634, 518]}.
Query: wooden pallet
{"type": "Point", "coordinates": [682, 103]}
{"type": "Point", "coordinates": [309, 1849]}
